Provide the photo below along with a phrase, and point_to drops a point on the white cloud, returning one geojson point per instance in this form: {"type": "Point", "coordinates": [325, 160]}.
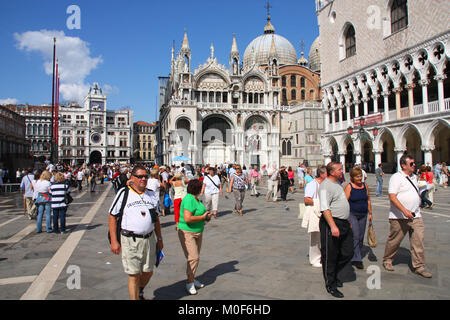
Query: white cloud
{"type": "Point", "coordinates": [75, 61]}
{"type": "Point", "coordinates": [8, 101]}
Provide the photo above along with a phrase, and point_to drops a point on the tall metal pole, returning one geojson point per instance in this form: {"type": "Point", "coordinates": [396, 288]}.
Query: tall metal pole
{"type": "Point", "coordinates": [53, 104]}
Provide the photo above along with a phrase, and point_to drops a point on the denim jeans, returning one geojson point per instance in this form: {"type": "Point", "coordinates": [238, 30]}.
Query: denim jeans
{"type": "Point", "coordinates": [379, 187]}
{"type": "Point", "coordinates": [59, 214]}
{"type": "Point", "coordinates": [48, 216]}
{"type": "Point", "coordinates": [358, 222]}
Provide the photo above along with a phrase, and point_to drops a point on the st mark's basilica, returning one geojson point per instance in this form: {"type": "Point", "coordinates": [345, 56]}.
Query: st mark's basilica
{"type": "Point", "coordinates": [241, 113]}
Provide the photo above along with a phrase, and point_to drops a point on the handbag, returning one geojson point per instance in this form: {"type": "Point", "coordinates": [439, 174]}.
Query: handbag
{"type": "Point", "coordinates": [371, 238]}
{"type": "Point", "coordinates": [167, 201]}
{"type": "Point", "coordinates": [422, 184]}
{"type": "Point", "coordinates": [67, 197]}
{"type": "Point", "coordinates": [302, 209]}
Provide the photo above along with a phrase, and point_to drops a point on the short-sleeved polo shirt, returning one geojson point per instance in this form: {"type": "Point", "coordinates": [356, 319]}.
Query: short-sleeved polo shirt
{"type": "Point", "coordinates": [197, 208]}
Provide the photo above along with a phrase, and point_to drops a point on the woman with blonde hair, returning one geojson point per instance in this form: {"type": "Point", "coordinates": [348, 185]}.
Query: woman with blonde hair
{"type": "Point", "coordinates": [358, 197]}
{"type": "Point", "coordinates": [43, 198]}
{"type": "Point", "coordinates": [58, 191]}
{"type": "Point", "coordinates": [179, 183]}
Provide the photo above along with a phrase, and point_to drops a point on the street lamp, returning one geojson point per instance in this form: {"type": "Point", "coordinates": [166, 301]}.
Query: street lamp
{"type": "Point", "coordinates": [361, 133]}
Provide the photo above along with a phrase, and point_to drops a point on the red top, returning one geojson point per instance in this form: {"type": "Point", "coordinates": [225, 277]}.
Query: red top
{"type": "Point", "coordinates": [428, 176]}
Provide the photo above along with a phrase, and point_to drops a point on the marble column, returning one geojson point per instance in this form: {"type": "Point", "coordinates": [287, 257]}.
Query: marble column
{"type": "Point", "coordinates": [333, 119]}
{"type": "Point", "coordinates": [428, 155]}
{"type": "Point", "coordinates": [327, 120]}
{"type": "Point", "coordinates": [440, 79]}
{"type": "Point", "coordinates": [377, 154]}
{"type": "Point", "coordinates": [386, 105]}
{"type": "Point", "coordinates": [410, 88]}
{"type": "Point", "coordinates": [349, 121]}
{"type": "Point", "coordinates": [341, 122]}
{"type": "Point", "coordinates": [375, 102]}
{"type": "Point", "coordinates": [356, 104]}
{"type": "Point", "coordinates": [342, 159]}
{"type": "Point", "coordinates": [357, 157]}
{"type": "Point", "coordinates": [424, 84]}
{"type": "Point", "coordinates": [366, 106]}
{"type": "Point", "coordinates": [399, 153]}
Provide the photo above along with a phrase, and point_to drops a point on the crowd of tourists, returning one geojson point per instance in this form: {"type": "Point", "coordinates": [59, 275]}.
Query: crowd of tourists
{"type": "Point", "coordinates": [335, 215]}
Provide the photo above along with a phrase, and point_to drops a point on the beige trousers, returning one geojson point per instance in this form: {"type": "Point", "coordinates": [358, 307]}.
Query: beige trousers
{"type": "Point", "coordinates": [398, 229]}
{"type": "Point", "coordinates": [272, 191]}
{"type": "Point", "coordinates": [191, 242]}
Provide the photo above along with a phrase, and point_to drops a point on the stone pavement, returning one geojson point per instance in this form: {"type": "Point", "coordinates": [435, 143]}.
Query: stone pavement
{"type": "Point", "coordinates": [261, 255]}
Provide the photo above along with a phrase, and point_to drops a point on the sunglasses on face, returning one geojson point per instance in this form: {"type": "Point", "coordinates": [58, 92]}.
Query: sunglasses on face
{"type": "Point", "coordinates": [411, 164]}
{"type": "Point", "coordinates": [145, 176]}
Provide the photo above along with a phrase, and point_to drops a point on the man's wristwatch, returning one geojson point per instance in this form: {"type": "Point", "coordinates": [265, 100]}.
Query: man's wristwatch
{"type": "Point", "coordinates": [159, 239]}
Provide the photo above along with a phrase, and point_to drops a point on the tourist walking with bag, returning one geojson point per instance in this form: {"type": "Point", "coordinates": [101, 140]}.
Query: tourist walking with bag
{"type": "Point", "coordinates": [140, 231]}
{"type": "Point", "coordinates": [58, 190]}
{"type": "Point", "coordinates": [358, 197]}
{"type": "Point", "coordinates": [211, 189]}
{"type": "Point", "coordinates": [312, 216]}
{"type": "Point", "coordinates": [43, 201]}
{"type": "Point", "coordinates": [238, 185]}
{"type": "Point", "coordinates": [405, 217]}
{"type": "Point", "coordinates": [193, 215]}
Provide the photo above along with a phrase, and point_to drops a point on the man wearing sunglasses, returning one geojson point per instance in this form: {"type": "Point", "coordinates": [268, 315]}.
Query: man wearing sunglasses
{"type": "Point", "coordinates": [405, 217]}
{"type": "Point", "coordinates": [140, 231]}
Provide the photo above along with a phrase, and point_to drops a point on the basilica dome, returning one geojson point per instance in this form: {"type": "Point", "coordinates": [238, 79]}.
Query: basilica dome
{"type": "Point", "coordinates": [314, 56]}
{"type": "Point", "coordinates": [259, 49]}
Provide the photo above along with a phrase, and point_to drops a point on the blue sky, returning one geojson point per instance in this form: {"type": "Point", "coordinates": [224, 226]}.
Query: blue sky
{"type": "Point", "coordinates": [126, 45]}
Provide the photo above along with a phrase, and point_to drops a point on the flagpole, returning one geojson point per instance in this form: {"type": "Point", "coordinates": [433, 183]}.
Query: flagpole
{"type": "Point", "coordinates": [57, 113]}
{"type": "Point", "coordinates": [53, 104]}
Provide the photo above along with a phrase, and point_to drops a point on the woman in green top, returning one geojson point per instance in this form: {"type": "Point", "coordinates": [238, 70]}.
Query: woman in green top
{"type": "Point", "coordinates": [193, 215]}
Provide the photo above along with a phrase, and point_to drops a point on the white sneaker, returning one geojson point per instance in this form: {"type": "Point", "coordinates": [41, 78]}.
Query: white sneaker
{"type": "Point", "coordinates": [198, 284]}
{"type": "Point", "coordinates": [191, 288]}
{"type": "Point", "coordinates": [317, 265]}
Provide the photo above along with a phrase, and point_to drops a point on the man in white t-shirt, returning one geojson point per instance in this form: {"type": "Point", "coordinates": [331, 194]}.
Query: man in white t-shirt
{"type": "Point", "coordinates": [211, 188]}
{"type": "Point", "coordinates": [139, 225]}
{"type": "Point", "coordinates": [405, 217]}
{"type": "Point", "coordinates": [301, 175]}
{"type": "Point", "coordinates": [80, 175]}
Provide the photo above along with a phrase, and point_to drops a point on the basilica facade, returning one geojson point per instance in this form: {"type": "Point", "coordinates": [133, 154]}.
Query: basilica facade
{"type": "Point", "coordinates": [217, 114]}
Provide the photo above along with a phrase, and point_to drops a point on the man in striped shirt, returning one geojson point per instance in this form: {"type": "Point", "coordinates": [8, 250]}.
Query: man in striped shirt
{"type": "Point", "coordinates": [58, 190]}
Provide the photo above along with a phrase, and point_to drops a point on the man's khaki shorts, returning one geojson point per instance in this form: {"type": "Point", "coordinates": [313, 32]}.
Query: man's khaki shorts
{"type": "Point", "coordinates": [139, 256]}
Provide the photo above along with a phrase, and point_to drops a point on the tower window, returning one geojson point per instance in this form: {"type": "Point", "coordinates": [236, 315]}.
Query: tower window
{"type": "Point", "coordinates": [350, 42]}
{"type": "Point", "coordinates": [302, 82]}
{"type": "Point", "coordinates": [399, 15]}
{"type": "Point", "coordinates": [283, 81]}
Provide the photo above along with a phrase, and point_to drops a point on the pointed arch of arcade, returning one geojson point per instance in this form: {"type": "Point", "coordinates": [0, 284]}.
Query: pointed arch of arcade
{"type": "Point", "coordinates": [437, 140]}
{"type": "Point", "coordinates": [401, 137]}
{"type": "Point", "coordinates": [349, 150]}
{"type": "Point", "coordinates": [332, 148]}
{"type": "Point", "coordinates": [410, 139]}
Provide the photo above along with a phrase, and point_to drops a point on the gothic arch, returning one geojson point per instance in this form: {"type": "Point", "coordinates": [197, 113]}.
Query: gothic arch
{"type": "Point", "coordinates": [401, 139]}
{"type": "Point", "coordinates": [429, 135]}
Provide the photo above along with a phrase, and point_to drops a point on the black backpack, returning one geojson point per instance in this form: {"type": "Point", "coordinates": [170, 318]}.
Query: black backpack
{"type": "Point", "coordinates": [120, 214]}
